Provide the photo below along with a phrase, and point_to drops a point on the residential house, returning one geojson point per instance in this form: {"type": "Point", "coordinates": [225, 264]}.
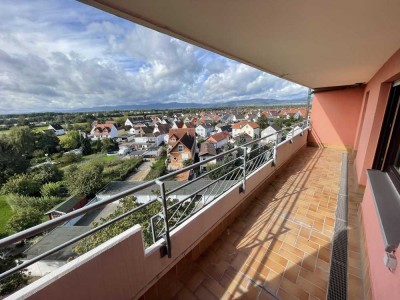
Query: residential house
{"type": "Point", "coordinates": [274, 113]}
{"type": "Point", "coordinates": [189, 125]}
{"type": "Point", "coordinates": [237, 118]}
{"type": "Point", "coordinates": [204, 130]}
{"type": "Point", "coordinates": [101, 131]}
{"type": "Point", "coordinates": [129, 122]}
{"type": "Point", "coordinates": [250, 128]}
{"type": "Point", "coordinates": [177, 124]}
{"type": "Point", "coordinates": [207, 150]}
{"type": "Point", "coordinates": [272, 130]}
{"type": "Point", "coordinates": [220, 128]}
{"type": "Point", "coordinates": [57, 128]}
{"type": "Point", "coordinates": [182, 146]}
{"type": "Point", "coordinates": [219, 139]}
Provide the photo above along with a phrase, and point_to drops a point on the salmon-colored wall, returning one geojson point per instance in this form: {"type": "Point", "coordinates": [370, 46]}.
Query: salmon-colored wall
{"type": "Point", "coordinates": [378, 88]}
{"type": "Point", "coordinates": [385, 284]}
{"type": "Point", "coordinates": [335, 116]}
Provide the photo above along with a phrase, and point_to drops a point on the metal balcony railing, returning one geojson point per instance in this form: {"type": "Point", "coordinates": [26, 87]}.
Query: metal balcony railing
{"type": "Point", "coordinates": [179, 202]}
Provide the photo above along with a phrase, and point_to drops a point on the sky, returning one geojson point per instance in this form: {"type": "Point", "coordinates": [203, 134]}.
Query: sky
{"type": "Point", "coordinates": [63, 54]}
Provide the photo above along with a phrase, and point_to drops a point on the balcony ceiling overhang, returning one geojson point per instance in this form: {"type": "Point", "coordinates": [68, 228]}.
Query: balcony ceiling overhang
{"type": "Point", "coordinates": [313, 43]}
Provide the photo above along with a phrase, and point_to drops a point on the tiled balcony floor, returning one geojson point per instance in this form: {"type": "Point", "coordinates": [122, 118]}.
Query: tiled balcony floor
{"type": "Point", "coordinates": [279, 248]}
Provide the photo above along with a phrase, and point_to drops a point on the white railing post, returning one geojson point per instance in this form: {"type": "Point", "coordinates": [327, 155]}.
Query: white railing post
{"type": "Point", "coordinates": [166, 250]}
{"type": "Point", "coordinates": [244, 169]}
{"type": "Point", "coordinates": [291, 140]}
{"type": "Point", "coordinates": [275, 148]}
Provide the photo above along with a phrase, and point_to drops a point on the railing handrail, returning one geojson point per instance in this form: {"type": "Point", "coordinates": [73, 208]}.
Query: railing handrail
{"type": "Point", "coordinates": [40, 228]}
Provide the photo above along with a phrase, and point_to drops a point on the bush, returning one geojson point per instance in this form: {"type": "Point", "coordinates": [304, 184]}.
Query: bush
{"type": "Point", "coordinates": [69, 158]}
{"type": "Point", "coordinates": [23, 184]}
{"type": "Point", "coordinates": [24, 219]}
{"type": "Point", "coordinates": [86, 180]}
{"type": "Point", "coordinates": [120, 169]}
{"type": "Point", "coordinates": [42, 204]}
{"type": "Point", "coordinates": [158, 169]}
{"type": "Point", "coordinates": [38, 153]}
{"type": "Point", "coordinates": [53, 189]}
{"type": "Point", "coordinates": [47, 173]}
{"type": "Point", "coordinates": [13, 282]}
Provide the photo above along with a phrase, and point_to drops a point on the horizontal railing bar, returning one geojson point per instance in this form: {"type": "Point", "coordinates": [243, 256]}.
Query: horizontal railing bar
{"type": "Point", "coordinates": [72, 241]}
{"type": "Point", "coordinates": [200, 177]}
{"type": "Point", "coordinates": [69, 216]}
{"type": "Point", "coordinates": [216, 181]}
{"type": "Point", "coordinates": [195, 165]}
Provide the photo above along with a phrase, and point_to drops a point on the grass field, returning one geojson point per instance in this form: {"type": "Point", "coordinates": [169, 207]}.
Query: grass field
{"type": "Point", "coordinates": [5, 213]}
{"type": "Point", "coordinates": [39, 129]}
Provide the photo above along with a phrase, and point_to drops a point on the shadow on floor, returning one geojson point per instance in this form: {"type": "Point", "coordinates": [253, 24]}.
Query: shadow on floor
{"type": "Point", "coordinates": [280, 246]}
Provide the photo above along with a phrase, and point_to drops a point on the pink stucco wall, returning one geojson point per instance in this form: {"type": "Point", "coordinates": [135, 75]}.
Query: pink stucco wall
{"type": "Point", "coordinates": [378, 88]}
{"type": "Point", "coordinates": [335, 116]}
{"type": "Point", "coordinates": [354, 118]}
{"type": "Point", "coordinates": [385, 284]}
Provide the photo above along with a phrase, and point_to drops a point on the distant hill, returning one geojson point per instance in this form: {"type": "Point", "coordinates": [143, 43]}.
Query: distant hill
{"type": "Point", "coordinates": [177, 105]}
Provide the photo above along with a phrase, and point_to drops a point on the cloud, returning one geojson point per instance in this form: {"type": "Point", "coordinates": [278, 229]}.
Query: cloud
{"type": "Point", "coordinates": [64, 55]}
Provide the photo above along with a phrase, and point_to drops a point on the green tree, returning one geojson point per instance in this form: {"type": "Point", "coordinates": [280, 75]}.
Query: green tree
{"type": "Point", "coordinates": [13, 282]}
{"type": "Point", "coordinates": [22, 184]}
{"type": "Point", "coordinates": [47, 173]}
{"type": "Point", "coordinates": [72, 140]}
{"type": "Point", "coordinates": [108, 145]}
{"type": "Point", "coordinates": [48, 142]}
{"type": "Point", "coordinates": [187, 162]}
{"type": "Point", "coordinates": [69, 158]}
{"type": "Point", "coordinates": [22, 121]}
{"type": "Point", "coordinates": [86, 146]}
{"type": "Point", "coordinates": [53, 189]}
{"type": "Point", "coordinates": [141, 217]}
{"type": "Point", "coordinates": [23, 140]}
{"type": "Point", "coordinates": [42, 204]}
{"type": "Point", "coordinates": [262, 122]}
{"type": "Point", "coordinates": [24, 219]}
{"type": "Point", "coordinates": [11, 161]}
{"type": "Point", "coordinates": [86, 180]}
{"type": "Point", "coordinates": [96, 146]}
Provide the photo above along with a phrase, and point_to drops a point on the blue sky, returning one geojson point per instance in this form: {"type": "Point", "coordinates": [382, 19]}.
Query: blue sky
{"type": "Point", "coordinates": [65, 55]}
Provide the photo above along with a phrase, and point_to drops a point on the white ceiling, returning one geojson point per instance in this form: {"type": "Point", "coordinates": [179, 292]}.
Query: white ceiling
{"type": "Point", "coordinates": [315, 43]}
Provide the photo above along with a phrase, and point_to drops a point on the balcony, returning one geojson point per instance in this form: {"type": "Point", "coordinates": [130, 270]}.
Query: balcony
{"type": "Point", "coordinates": [267, 237]}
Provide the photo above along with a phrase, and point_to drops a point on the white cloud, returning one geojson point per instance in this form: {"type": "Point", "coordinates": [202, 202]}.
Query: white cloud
{"type": "Point", "coordinates": [62, 54]}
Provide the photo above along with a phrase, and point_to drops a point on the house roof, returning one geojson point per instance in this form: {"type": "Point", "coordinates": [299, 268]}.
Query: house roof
{"type": "Point", "coordinates": [66, 205]}
{"type": "Point", "coordinates": [275, 127]}
{"type": "Point", "coordinates": [241, 124]}
{"type": "Point", "coordinates": [102, 126]}
{"type": "Point", "coordinates": [56, 126]}
{"type": "Point", "coordinates": [187, 140]}
{"type": "Point", "coordinates": [179, 124]}
{"type": "Point", "coordinates": [190, 125]}
{"type": "Point", "coordinates": [207, 149]}
{"type": "Point", "coordinates": [217, 137]}
{"type": "Point", "coordinates": [179, 132]}
{"type": "Point", "coordinates": [163, 128]}
{"type": "Point", "coordinates": [54, 238]}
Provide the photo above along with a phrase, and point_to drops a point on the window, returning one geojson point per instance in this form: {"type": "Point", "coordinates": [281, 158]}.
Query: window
{"type": "Point", "coordinates": [387, 157]}
{"type": "Point", "coordinates": [180, 148]}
